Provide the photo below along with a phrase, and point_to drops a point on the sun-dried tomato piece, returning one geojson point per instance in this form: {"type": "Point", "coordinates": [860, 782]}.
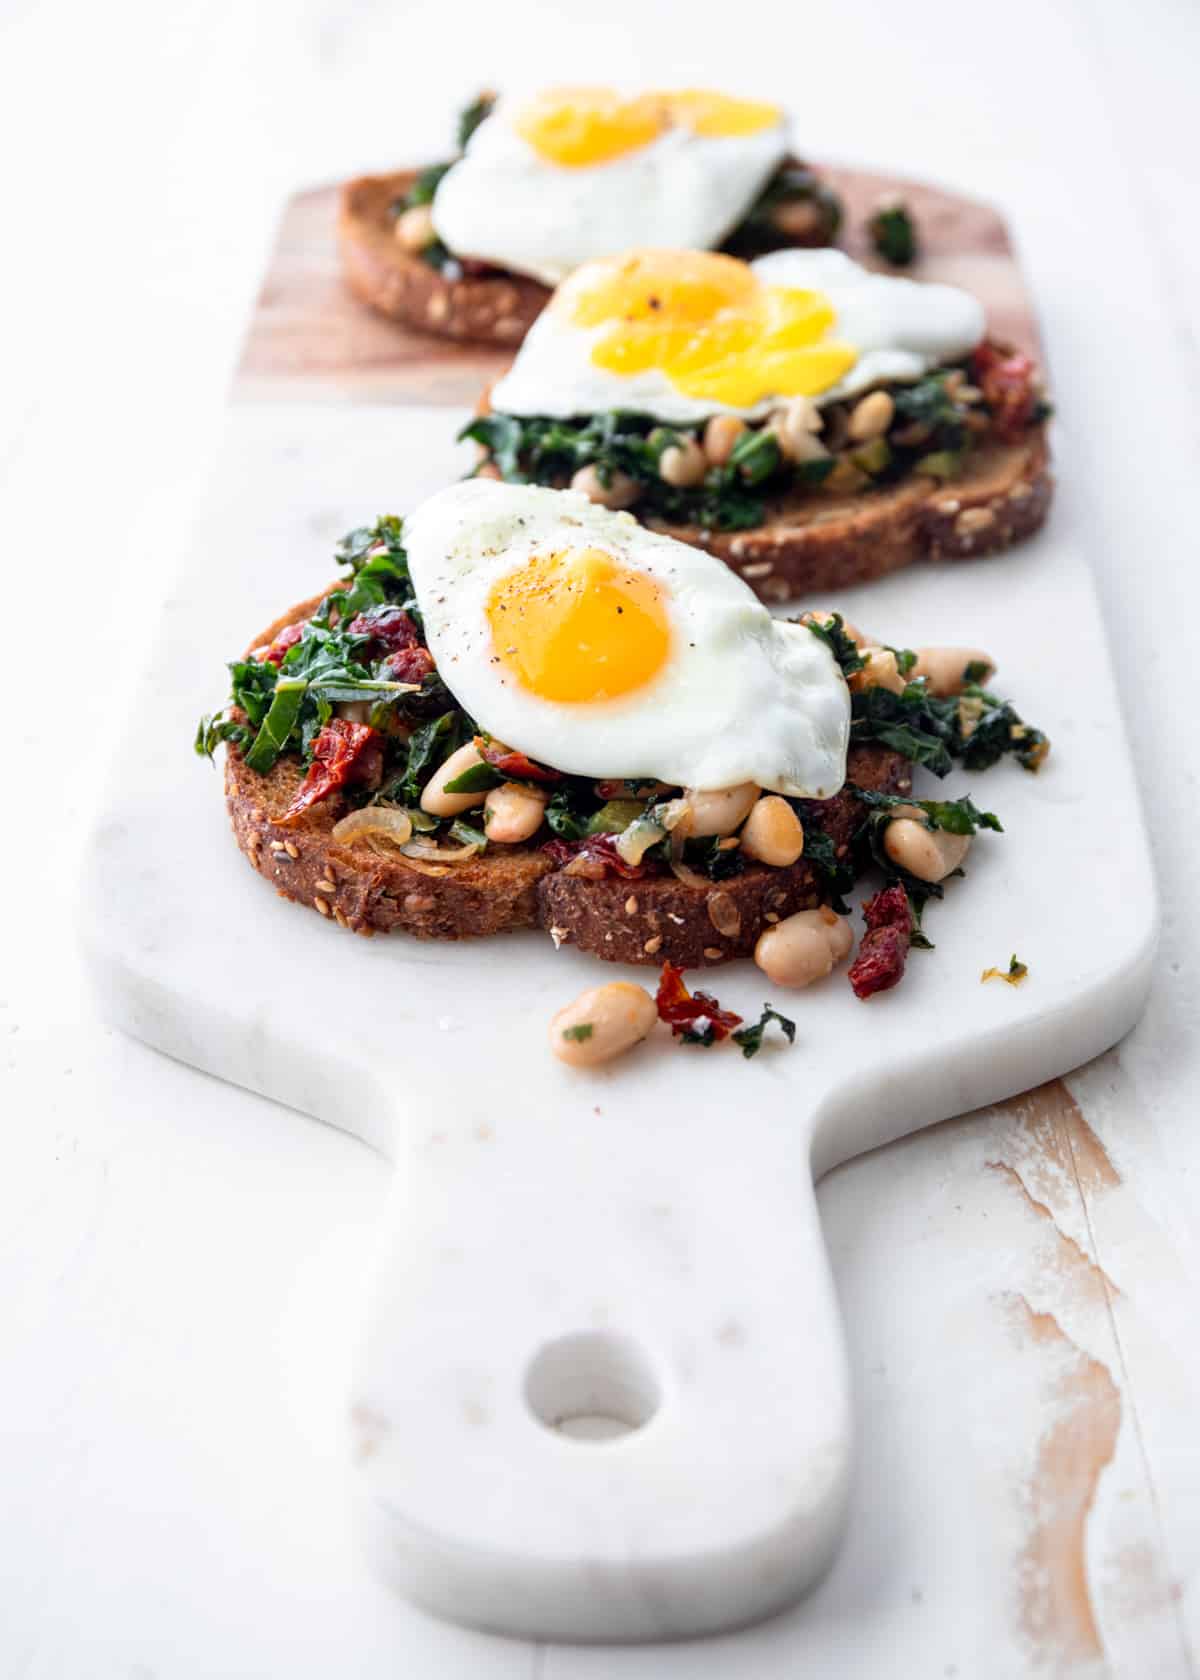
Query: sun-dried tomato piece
{"type": "Point", "coordinates": [410, 665]}
{"type": "Point", "coordinates": [883, 953]}
{"type": "Point", "coordinates": [343, 752]}
{"type": "Point", "coordinates": [594, 857]}
{"type": "Point", "coordinates": [1007, 380]}
{"type": "Point", "coordinates": [889, 908]}
{"type": "Point", "coordinates": [694, 1016]}
{"type": "Point", "coordinates": [514, 765]}
{"type": "Point", "coordinates": [390, 628]}
{"type": "Point", "coordinates": [286, 639]}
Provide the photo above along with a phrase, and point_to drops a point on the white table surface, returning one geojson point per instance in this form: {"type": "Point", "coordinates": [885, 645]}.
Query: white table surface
{"type": "Point", "coordinates": [180, 1260]}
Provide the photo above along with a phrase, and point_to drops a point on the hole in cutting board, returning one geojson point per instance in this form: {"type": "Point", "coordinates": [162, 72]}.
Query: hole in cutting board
{"type": "Point", "coordinates": [592, 1386]}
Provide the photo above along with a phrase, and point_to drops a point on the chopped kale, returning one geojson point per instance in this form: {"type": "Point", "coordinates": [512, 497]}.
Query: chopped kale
{"type": "Point", "coordinates": [894, 234]}
{"type": "Point", "coordinates": [470, 119]}
{"type": "Point", "coordinates": [975, 728]}
{"type": "Point", "coordinates": [426, 185]}
{"type": "Point", "coordinates": [954, 816]}
{"type": "Point", "coordinates": [544, 450]}
{"type": "Point", "coordinates": [844, 648]}
{"type": "Point", "coordinates": [709, 858]}
{"type": "Point", "coordinates": [930, 404]}
{"type": "Point", "coordinates": [767, 224]}
{"type": "Point", "coordinates": [750, 1038]}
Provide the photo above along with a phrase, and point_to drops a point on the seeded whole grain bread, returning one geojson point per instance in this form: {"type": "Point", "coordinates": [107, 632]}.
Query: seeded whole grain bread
{"type": "Point", "coordinates": [491, 308]}
{"type": "Point", "coordinates": [371, 888]}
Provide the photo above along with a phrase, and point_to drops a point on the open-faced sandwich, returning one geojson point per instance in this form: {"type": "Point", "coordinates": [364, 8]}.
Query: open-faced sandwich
{"type": "Point", "coordinates": [469, 249]}
{"type": "Point", "coordinates": [523, 710]}
{"type": "Point", "coordinates": [811, 422]}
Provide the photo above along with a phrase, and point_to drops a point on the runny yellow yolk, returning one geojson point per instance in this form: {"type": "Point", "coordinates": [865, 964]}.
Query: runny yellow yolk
{"type": "Point", "coordinates": [574, 625]}
{"type": "Point", "coordinates": [709, 324]}
{"type": "Point", "coordinates": [579, 127]}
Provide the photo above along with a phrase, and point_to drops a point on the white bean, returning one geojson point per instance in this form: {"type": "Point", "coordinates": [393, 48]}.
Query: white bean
{"type": "Point", "coordinates": [414, 227]}
{"type": "Point", "coordinates": [803, 948]}
{"type": "Point", "coordinates": [929, 854]}
{"type": "Point", "coordinates": [796, 426]}
{"type": "Point", "coordinates": [683, 464]}
{"type": "Point", "coordinates": [870, 417]}
{"type": "Point", "coordinates": [880, 670]}
{"type": "Point", "coordinates": [718, 811]}
{"type": "Point", "coordinates": [773, 833]}
{"type": "Point", "coordinates": [944, 668]}
{"type": "Point", "coordinates": [721, 436]}
{"type": "Point", "coordinates": [621, 491]}
{"type": "Point", "coordinates": [602, 1023]}
{"type": "Point", "coordinates": [434, 797]}
{"type": "Point", "coordinates": [512, 813]}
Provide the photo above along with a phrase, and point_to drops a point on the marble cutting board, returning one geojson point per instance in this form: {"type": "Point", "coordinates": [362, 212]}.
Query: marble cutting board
{"type": "Point", "coordinates": [602, 1392]}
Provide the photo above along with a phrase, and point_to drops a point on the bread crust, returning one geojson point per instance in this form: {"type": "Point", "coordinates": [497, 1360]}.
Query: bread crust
{"type": "Point", "coordinates": [494, 308]}
{"type": "Point", "coordinates": [374, 889]}
{"type": "Point", "coordinates": [809, 543]}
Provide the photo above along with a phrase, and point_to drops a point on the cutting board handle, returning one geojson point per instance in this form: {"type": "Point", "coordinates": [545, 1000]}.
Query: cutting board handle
{"type": "Point", "coordinates": [619, 1415]}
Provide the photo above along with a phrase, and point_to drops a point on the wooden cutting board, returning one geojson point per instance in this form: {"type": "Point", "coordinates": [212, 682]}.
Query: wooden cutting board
{"type": "Point", "coordinates": [637, 1252]}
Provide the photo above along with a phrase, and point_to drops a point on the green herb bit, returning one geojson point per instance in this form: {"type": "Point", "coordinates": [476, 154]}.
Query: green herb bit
{"type": "Point", "coordinates": [954, 816]}
{"type": "Point", "coordinates": [831, 631]}
{"type": "Point", "coordinates": [615, 816]}
{"type": "Point", "coordinates": [751, 1038]}
{"type": "Point", "coordinates": [466, 835]}
{"type": "Point", "coordinates": [941, 463]}
{"type": "Point", "coordinates": [1012, 976]}
{"type": "Point", "coordinates": [476, 112]}
{"type": "Point", "coordinates": [756, 455]}
{"type": "Point", "coordinates": [476, 778]}
{"type": "Point", "coordinates": [873, 458]}
{"type": "Point", "coordinates": [278, 724]}
{"type": "Point", "coordinates": [212, 730]}
{"type": "Point", "coordinates": [426, 184]}
{"type": "Point", "coordinates": [580, 1033]}
{"type": "Point", "coordinates": [894, 234]}
{"type": "Point", "coordinates": [839, 872]}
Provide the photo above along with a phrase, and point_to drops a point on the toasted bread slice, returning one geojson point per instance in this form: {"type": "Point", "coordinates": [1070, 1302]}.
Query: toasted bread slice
{"type": "Point", "coordinates": [491, 308]}
{"type": "Point", "coordinates": [372, 888]}
{"type": "Point", "coordinates": [817, 542]}
{"type": "Point", "coordinates": [369, 889]}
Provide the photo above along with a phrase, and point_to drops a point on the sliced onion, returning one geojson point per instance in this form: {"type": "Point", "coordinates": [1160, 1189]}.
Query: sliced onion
{"type": "Point", "coordinates": [387, 821]}
{"type": "Point", "coordinates": [433, 853]}
{"type": "Point", "coordinates": [689, 876]}
{"type": "Point", "coordinates": [635, 841]}
{"type": "Point", "coordinates": [420, 868]}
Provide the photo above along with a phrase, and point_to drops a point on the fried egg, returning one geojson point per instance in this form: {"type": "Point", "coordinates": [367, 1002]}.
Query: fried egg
{"type": "Point", "coordinates": [548, 183]}
{"type": "Point", "coordinates": [680, 335]}
{"type": "Point", "coordinates": [602, 649]}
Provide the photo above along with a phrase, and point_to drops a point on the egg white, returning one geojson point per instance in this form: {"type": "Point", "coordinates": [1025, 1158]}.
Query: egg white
{"type": "Point", "coordinates": [901, 329]}
{"type": "Point", "coordinates": [504, 203]}
{"type": "Point", "coordinates": [743, 697]}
